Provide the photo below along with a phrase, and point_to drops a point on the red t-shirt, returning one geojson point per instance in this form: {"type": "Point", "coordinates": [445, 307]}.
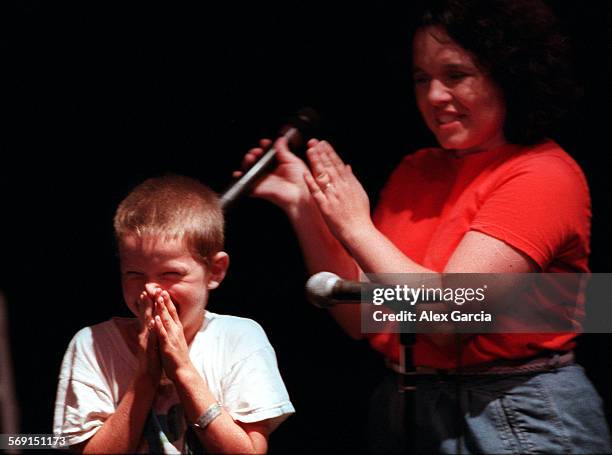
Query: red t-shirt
{"type": "Point", "coordinates": [534, 198]}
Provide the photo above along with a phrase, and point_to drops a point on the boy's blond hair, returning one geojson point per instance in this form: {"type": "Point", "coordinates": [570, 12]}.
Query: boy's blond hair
{"type": "Point", "coordinates": [173, 207]}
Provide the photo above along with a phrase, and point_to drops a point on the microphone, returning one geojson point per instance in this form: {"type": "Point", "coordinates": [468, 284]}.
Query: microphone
{"type": "Point", "coordinates": [326, 290]}
{"type": "Point", "coordinates": [300, 126]}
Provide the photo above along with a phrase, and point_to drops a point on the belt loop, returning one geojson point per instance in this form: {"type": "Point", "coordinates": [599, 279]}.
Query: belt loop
{"type": "Point", "coordinates": [402, 358]}
{"type": "Point", "coordinates": [399, 383]}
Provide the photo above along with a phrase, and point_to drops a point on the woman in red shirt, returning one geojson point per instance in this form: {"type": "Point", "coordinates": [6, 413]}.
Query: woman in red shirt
{"type": "Point", "coordinates": [496, 196]}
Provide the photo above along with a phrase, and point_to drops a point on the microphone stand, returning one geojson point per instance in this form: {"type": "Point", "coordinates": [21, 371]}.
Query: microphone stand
{"type": "Point", "coordinates": [326, 290]}
{"type": "Point", "coordinates": [407, 388]}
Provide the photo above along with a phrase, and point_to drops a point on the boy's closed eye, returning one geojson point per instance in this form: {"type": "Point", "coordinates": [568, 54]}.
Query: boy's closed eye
{"type": "Point", "coordinates": [457, 75]}
{"type": "Point", "coordinates": [173, 273]}
{"type": "Point", "coordinates": [132, 273]}
{"type": "Point", "coordinates": [172, 276]}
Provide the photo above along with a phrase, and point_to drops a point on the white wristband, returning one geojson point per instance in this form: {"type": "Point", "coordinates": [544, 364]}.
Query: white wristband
{"type": "Point", "coordinates": [209, 415]}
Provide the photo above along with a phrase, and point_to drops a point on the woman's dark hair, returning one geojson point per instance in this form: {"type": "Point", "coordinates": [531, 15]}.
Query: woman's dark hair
{"type": "Point", "coordinates": [518, 43]}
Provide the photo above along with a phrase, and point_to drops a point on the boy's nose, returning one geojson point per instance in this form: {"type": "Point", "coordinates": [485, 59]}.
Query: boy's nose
{"type": "Point", "coordinates": [151, 287]}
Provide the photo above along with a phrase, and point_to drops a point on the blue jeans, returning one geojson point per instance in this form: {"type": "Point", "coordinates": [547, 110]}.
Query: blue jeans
{"type": "Point", "coordinates": [556, 411]}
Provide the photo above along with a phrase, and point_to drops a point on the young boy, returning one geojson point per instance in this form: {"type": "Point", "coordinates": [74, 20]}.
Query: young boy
{"type": "Point", "coordinates": [177, 378]}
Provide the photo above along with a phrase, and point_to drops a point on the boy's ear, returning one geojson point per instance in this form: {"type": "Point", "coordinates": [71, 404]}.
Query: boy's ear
{"type": "Point", "coordinates": [217, 269]}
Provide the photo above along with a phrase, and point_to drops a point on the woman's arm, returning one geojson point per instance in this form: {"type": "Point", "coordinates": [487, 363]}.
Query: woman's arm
{"type": "Point", "coordinates": [345, 208]}
{"type": "Point", "coordinates": [285, 187]}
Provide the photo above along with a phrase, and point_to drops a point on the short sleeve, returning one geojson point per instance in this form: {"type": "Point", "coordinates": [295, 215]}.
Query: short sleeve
{"type": "Point", "coordinates": [253, 389]}
{"type": "Point", "coordinates": [541, 207]}
{"type": "Point", "coordinates": [83, 401]}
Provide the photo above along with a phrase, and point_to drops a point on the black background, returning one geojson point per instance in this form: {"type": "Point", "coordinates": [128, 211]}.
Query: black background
{"type": "Point", "coordinates": [100, 96]}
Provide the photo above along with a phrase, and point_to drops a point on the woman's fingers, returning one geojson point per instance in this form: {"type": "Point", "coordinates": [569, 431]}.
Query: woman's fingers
{"type": "Point", "coordinates": [314, 188]}
{"type": "Point", "coordinates": [312, 143]}
{"type": "Point", "coordinates": [252, 156]}
{"type": "Point", "coordinates": [265, 143]}
{"type": "Point", "coordinates": [322, 195]}
{"type": "Point", "coordinates": [323, 168]}
{"type": "Point", "coordinates": [255, 153]}
{"type": "Point", "coordinates": [325, 158]}
{"type": "Point", "coordinates": [334, 159]}
{"type": "Point", "coordinates": [316, 166]}
{"type": "Point", "coordinates": [284, 154]}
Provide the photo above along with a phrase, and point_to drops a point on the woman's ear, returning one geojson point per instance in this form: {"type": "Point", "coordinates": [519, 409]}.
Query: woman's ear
{"type": "Point", "coordinates": [217, 269]}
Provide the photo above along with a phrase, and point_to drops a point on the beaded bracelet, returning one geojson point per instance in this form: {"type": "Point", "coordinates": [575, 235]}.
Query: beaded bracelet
{"type": "Point", "coordinates": [209, 415]}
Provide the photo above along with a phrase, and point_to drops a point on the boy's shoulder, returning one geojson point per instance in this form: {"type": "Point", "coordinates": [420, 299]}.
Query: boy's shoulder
{"type": "Point", "coordinates": [107, 333]}
{"type": "Point", "coordinates": [233, 333]}
{"type": "Point", "coordinates": [91, 351]}
{"type": "Point", "coordinates": [231, 325]}
{"type": "Point", "coordinates": [87, 333]}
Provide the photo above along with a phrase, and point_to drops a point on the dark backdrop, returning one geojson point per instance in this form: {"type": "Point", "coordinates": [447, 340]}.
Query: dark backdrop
{"type": "Point", "coordinates": [99, 97]}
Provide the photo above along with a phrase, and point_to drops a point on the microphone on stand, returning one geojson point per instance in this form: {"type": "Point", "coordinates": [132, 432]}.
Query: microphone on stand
{"type": "Point", "coordinates": [296, 131]}
{"type": "Point", "coordinates": [326, 290]}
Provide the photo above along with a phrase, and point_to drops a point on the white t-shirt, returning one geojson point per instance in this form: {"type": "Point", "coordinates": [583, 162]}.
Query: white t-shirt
{"type": "Point", "coordinates": [232, 354]}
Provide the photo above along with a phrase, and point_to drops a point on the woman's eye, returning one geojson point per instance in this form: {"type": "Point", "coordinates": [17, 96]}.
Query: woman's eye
{"type": "Point", "coordinates": [457, 76]}
{"type": "Point", "coordinates": [420, 79]}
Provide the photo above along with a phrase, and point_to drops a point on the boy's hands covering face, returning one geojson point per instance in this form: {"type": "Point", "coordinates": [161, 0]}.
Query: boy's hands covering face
{"type": "Point", "coordinates": [172, 343]}
{"type": "Point", "coordinates": [148, 353]}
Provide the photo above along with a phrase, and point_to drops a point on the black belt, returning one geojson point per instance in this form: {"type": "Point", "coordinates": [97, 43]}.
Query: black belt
{"type": "Point", "coordinates": [499, 367]}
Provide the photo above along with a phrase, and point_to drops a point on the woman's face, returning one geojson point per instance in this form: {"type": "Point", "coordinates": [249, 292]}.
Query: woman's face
{"type": "Point", "coordinates": [460, 104]}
